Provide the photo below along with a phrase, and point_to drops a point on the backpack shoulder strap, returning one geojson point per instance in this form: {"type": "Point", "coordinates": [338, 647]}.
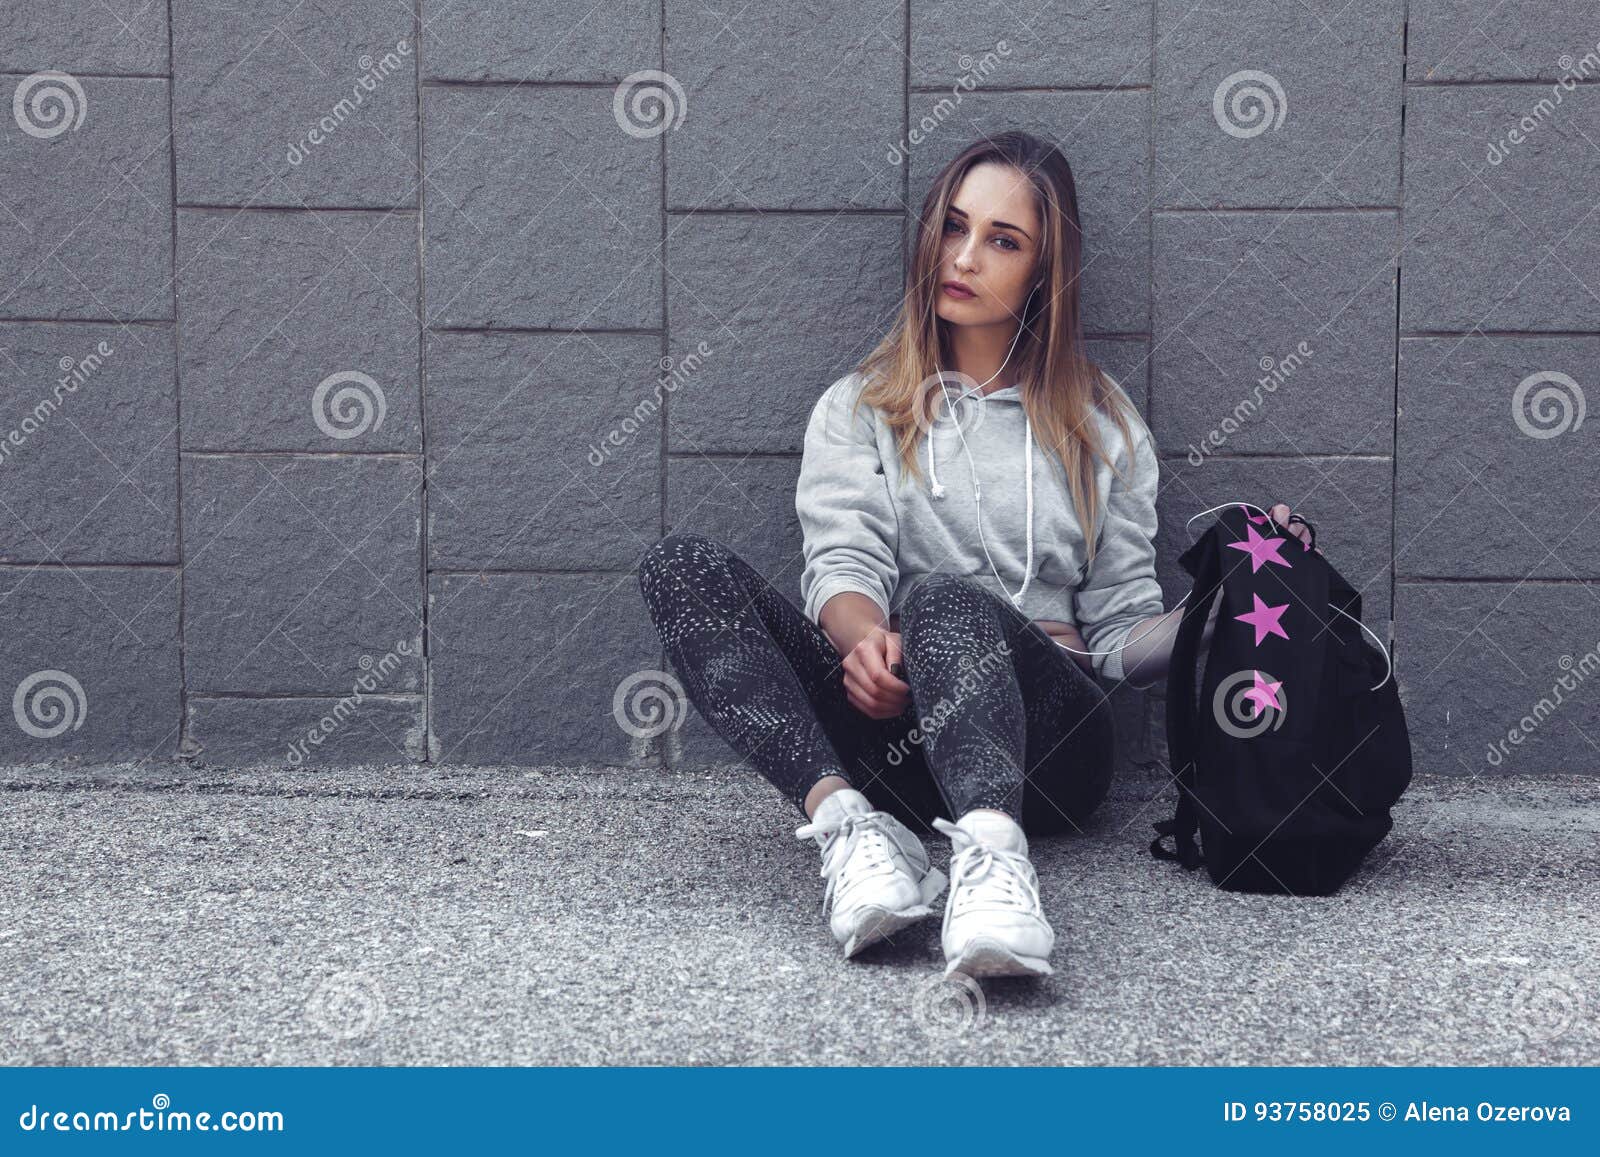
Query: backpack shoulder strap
{"type": "Point", "coordinates": [1203, 560]}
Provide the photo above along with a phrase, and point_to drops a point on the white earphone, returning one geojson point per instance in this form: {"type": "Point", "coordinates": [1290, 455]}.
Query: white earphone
{"type": "Point", "coordinates": [977, 488]}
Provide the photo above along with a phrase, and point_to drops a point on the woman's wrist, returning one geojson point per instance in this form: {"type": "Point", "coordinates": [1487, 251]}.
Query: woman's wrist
{"type": "Point", "coordinates": [847, 618]}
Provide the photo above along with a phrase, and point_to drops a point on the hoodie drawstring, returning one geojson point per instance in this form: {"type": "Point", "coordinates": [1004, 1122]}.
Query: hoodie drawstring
{"type": "Point", "coordinates": [1027, 458]}
{"type": "Point", "coordinates": [933, 469]}
{"type": "Point", "coordinates": [937, 488]}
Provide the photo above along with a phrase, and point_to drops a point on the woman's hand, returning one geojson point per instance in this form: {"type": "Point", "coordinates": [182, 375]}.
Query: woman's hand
{"type": "Point", "coordinates": [1299, 529]}
{"type": "Point", "coordinates": [872, 688]}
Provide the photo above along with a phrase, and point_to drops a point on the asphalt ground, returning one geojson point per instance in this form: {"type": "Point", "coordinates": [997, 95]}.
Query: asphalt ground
{"type": "Point", "coordinates": [165, 915]}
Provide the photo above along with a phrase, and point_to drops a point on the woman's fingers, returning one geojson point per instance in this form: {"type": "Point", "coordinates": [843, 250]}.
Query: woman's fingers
{"type": "Point", "coordinates": [874, 708]}
{"type": "Point", "coordinates": [875, 659]}
{"type": "Point", "coordinates": [861, 692]}
{"type": "Point", "coordinates": [866, 692]}
{"type": "Point", "coordinates": [861, 700]}
{"type": "Point", "coordinates": [891, 655]}
{"type": "Point", "coordinates": [1280, 514]}
{"type": "Point", "coordinates": [875, 690]}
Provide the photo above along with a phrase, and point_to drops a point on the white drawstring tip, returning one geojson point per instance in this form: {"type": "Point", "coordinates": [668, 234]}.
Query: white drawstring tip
{"type": "Point", "coordinates": [938, 489]}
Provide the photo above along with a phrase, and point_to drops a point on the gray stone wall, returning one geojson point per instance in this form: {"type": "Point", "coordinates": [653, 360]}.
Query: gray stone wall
{"type": "Point", "coordinates": [332, 337]}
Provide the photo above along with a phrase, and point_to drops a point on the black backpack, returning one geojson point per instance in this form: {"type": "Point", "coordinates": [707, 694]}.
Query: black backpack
{"type": "Point", "coordinates": [1296, 747]}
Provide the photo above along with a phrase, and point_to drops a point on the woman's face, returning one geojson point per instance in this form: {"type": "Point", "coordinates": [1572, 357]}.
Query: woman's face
{"type": "Point", "coordinates": [990, 237]}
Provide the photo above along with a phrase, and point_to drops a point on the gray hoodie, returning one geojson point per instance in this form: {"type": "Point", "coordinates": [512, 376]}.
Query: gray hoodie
{"type": "Point", "coordinates": [870, 528]}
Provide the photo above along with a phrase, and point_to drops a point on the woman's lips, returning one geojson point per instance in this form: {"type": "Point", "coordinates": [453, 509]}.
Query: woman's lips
{"type": "Point", "coordinates": [958, 291]}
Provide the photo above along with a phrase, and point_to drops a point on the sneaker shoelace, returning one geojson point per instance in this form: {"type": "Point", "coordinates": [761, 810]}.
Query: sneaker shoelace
{"type": "Point", "coordinates": [859, 843]}
{"type": "Point", "coordinates": [987, 876]}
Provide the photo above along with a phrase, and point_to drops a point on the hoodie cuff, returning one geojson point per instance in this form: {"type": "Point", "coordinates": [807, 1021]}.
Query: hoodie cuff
{"type": "Point", "coordinates": [1111, 665]}
{"type": "Point", "coordinates": [829, 587]}
{"type": "Point", "coordinates": [1113, 668]}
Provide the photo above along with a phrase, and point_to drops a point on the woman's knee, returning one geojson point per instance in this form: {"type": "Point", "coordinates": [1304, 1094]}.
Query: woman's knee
{"type": "Point", "coordinates": [943, 592]}
{"type": "Point", "coordinates": [946, 604]}
{"type": "Point", "coordinates": [685, 571]}
{"type": "Point", "coordinates": [681, 551]}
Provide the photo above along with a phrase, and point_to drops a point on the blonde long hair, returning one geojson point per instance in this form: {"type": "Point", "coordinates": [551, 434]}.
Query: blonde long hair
{"type": "Point", "coordinates": [1060, 387]}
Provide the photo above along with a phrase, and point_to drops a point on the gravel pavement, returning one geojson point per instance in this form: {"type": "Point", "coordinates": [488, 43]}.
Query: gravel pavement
{"type": "Point", "coordinates": [168, 915]}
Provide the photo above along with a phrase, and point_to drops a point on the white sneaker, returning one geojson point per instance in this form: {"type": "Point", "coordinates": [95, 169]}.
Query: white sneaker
{"type": "Point", "coordinates": [994, 924]}
{"type": "Point", "coordinates": [879, 876]}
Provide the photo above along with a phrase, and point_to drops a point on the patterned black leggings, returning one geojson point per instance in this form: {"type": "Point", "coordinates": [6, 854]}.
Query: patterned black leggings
{"type": "Point", "coordinates": [1000, 716]}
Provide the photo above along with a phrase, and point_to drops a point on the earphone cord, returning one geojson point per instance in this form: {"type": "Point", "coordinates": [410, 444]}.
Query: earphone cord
{"type": "Point", "coordinates": [977, 487]}
{"type": "Point", "coordinates": [1027, 570]}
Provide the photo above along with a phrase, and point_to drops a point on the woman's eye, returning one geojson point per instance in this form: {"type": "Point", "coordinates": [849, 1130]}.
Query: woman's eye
{"type": "Point", "coordinates": [952, 226]}
{"type": "Point", "coordinates": [1009, 244]}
